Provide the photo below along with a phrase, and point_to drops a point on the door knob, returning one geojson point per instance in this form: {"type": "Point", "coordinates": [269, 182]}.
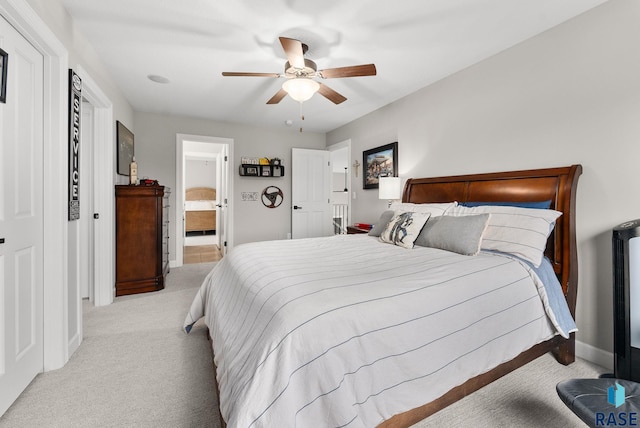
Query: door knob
{"type": "Point", "coordinates": [295, 207]}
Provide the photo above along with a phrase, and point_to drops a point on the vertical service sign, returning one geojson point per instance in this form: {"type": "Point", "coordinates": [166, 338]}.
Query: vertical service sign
{"type": "Point", "coordinates": [75, 101]}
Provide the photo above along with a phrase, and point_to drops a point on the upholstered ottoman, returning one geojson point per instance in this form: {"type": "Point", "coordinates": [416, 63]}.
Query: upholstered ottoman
{"type": "Point", "coordinates": [603, 402]}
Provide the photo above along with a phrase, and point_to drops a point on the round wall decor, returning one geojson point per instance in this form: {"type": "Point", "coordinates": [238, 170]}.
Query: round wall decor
{"type": "Point", "coordinates": [272, 197]}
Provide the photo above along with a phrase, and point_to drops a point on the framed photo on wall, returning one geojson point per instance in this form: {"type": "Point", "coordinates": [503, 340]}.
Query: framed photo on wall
{"type": "Point", "coordinates": [4, 60]}
{"type": "Point", "coordinates": [379, 162]}
{"type": "Point", "coordinates": [124, 139]}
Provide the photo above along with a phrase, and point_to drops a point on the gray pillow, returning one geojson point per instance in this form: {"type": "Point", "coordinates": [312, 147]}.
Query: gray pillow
{"type": "Point", "coordinates": [382, 223]}
{"type": "Point", "coordinates": [458, 234]}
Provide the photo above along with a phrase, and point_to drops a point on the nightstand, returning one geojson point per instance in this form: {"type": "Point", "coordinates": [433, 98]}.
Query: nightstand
{"type": "Point", "coordinates": [352, 230]}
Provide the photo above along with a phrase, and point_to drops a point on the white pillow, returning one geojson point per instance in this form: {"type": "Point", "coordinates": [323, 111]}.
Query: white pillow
{"type": "Point", "coordinates": [522, 232]}
{"type": "Point", "coordinates": [404, 228]}
{"type": "Point", "coordinates": [434, 209]}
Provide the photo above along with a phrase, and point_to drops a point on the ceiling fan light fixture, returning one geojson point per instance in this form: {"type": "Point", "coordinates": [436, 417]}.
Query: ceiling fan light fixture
{"type": "Point", "coordinates": [301, 88]}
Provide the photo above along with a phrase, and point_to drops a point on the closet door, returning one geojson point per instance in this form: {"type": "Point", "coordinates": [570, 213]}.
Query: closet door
{"type": "Point", "coordinates": [21, 217]}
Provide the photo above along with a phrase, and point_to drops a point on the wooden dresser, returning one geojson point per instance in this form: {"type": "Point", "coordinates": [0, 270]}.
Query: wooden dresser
{"type": "Point", "coordinates": [142, 238]}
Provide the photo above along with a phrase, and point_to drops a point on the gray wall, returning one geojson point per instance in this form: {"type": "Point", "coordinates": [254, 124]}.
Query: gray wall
{"type": "Point", "coordinates": [156, 156]}
{"type": "Point", "coordinates": [570, 95]}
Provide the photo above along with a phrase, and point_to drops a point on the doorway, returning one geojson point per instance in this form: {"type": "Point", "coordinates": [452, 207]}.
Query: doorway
{"type": "Point", "coordinates": [201, 242]}
{"type": "Point", "coordinates": [95, 264]}
{"type": "Point", "coordinates": [341, 186]}
{"type": "Point", "coordinates": [204, 219]}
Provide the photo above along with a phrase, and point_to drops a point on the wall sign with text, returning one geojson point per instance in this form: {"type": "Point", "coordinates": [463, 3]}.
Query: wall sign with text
{"type": "Point", "coordinates": [75, 102]}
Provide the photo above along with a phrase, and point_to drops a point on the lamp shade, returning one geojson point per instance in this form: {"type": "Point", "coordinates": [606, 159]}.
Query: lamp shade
{"type": "Point", "coordinates": [301, 88]}
{"type": "Point", "coordinates": [389, 188]}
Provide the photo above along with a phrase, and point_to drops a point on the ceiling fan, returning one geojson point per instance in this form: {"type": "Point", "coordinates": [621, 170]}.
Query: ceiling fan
{"type": "Point", "coordinates": [300, 71]}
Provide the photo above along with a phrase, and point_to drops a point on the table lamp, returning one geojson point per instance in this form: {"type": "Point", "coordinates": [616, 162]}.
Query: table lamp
{"type": "Point", "coordinates": [389, 188]}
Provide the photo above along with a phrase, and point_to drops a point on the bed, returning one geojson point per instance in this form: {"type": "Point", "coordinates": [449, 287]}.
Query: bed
{"type": "Point", "coordinates": [200, 209]}
{"type": "Point", "coordinates": [352, 331]}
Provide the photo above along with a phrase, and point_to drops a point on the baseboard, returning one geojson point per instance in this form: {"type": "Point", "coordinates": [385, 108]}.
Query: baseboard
{"type": "Point", "coordinates": [594, 355]}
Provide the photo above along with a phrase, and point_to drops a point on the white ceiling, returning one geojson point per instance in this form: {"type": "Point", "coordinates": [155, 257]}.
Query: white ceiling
{"type": "Point", "coordinates": [412, 42]}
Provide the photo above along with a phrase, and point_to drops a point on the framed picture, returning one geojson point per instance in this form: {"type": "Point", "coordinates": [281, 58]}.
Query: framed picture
{"type": "Point", "coordinates": [266, 171]}
{"type": "Point", "coordinates": [251, 170]}
{"type": "Point", "coordinates": [379, 162]}
{"type": "Point", "coordinates": [4, 60]}
{"type": "Point", "coordinates": [125, 143]}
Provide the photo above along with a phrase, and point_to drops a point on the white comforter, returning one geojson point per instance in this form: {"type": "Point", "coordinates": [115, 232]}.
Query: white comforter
{"type": "Point", "coordinates": [348, 331]}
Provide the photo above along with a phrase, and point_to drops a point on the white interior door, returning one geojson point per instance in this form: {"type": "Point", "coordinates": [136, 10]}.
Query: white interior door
{"type": "Point", "coordinates": [21, 217]}
{"type": "Point", "coordinates": [311, 193]}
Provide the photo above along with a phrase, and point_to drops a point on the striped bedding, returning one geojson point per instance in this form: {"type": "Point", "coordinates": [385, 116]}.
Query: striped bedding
{"type": "Point", "coordinates": [347, 331]}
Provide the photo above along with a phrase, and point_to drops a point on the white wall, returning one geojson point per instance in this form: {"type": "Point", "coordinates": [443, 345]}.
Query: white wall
{"type": "Point", "coordinates": [82, 53]}
{"type": "Point", "coordinates": [155, 154]}
{"type": "Point", "coordinates": [570, 95]}
{"type": "Point", "coordinates": [200, 173]}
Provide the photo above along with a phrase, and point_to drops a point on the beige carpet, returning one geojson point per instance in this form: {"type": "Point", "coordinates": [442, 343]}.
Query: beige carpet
{"type": "Point", "coordinates": [136, 368]}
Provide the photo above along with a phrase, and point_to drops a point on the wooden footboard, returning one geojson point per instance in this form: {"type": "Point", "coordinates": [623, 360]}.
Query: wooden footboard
{"type": "Point", "coordinates": [411, 417]}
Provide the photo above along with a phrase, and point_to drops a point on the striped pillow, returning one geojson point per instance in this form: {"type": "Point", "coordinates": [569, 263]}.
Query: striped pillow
{"type": "Point", "coordinates": [522, 232]}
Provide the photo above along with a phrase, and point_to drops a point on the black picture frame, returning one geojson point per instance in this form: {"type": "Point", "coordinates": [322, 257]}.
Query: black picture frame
{"type": "Point", "coordinates": [4, 64]}
{"type": "Point", "coordinates": [251, 170]}
{"type": "Point", "coordinates": [126, 146]}
{"type": "Point", "coordinates": [379, 162]}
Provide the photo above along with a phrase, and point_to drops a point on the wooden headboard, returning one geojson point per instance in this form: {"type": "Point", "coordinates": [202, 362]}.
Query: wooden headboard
{"type": "Point", "coordinates": [200, 194]}
{"type": "Point", "coordinates": [555, 184]}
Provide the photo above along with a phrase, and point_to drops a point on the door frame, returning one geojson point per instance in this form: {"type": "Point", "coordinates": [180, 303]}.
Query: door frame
{"type": "Point", "coordinates": [179, 191]}
{"type": "Point", "coordinates": [103, 182]}
{"type": "Point", "coordinates": [56, 58]}
{"type": "Point", "coordinates": [346, 144]}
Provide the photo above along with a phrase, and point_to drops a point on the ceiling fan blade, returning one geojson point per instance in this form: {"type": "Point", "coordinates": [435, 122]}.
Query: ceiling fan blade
{"type": "Point", "coordinates": [293, 50]}
{"type": "Point", "coordinates": [352, 71]}
{"type": "Point", "coordinates": [331, 95]}
{"type": "Point", "coordinates": [277, 97]}
{"type": "Point", "coordinates": [234, 73]}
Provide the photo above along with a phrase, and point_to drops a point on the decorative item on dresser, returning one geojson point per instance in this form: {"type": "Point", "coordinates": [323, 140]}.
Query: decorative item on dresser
{"type": "Point", "coordinates": [142, 238]}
